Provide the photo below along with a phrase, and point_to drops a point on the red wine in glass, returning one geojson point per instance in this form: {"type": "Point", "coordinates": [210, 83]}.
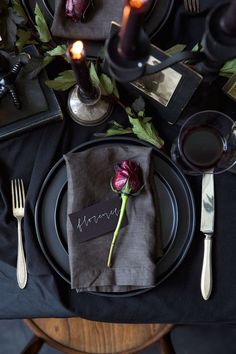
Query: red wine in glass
{"type": "Point", "coordinates": [203, 146]}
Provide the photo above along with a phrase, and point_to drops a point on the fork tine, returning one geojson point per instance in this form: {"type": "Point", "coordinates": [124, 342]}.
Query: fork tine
{"type": "Point", "coordinates": [19, 193]}
{"type": "Point", "coordinates": [12, 194]}
{"type": "Point", "coordinates": [186, 5]}
{"type": "Point", "coordinates": [16, 194]}
{"type": "Point", "coordinates": [192, 5]}
{"type": "Point", "coordinates": [189, 7]}
{"type": "Point", "coordinates": [23, 192]}
{"type": "Point", "coordinates": [198, 5]}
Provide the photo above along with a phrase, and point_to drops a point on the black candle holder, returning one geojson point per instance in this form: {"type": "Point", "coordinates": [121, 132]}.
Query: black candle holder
{"type": "Point", "coordinates": [88, 110]}
{"type": "Point", "coordinates": [121, 68]}
{"type": "Point", "coordinates": [218, 44]}
{"type": "Point", "coordinates": [126, 70]}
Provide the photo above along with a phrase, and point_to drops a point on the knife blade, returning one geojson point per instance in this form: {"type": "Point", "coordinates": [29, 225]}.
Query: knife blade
{"type": "Point", "coordinates": [207, 228]}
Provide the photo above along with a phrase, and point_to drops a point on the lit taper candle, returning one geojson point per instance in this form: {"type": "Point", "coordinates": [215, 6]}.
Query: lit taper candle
{"type": "Point", "coordinates": [132, 20]}
{"type": "Point", "coordinates": [85, 103]}
{"type": "Point", "coordinates": [77, 56]}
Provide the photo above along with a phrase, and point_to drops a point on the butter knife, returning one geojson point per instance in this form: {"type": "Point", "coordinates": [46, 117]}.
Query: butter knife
{"type": "Point", "coordinates": [207, 228]}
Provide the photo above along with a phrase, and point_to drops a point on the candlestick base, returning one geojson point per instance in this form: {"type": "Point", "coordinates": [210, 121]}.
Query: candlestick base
{"type": "Point", "coordinates": [93, 112]}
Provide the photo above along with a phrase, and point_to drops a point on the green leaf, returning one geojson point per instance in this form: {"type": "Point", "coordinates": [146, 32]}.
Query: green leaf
{"type": "Point", "coordinates": [57, 51]}
{"type": "Point", "coordinates": [146, 131]}
{"type": "Point", "coordinates": [175, 49]}
{"type": "Point", "coordinates": [19, 9]}
{"type": "Point", "coordinates": [93, 74]}
{"type": "Point", "coordinates": [117, 131]}
{"type": "Point", "coordinates": [106, 84]}
{"type": "Point", "coordinates": [115, 89]}
{"type": "Point", "coordinates": [41, 26]}
{"type": "Point", "coordinates": [116, 124]}
{"type": "Point", "coordinates": [63, 82]}
{"type": "Point", "coordinates": [23, 38]}
{"type": "Point", "coordinates": [129, 111]}
{"type": "Point", "coordinates": [147, 119]}
{"type": "Point", "coordinates": [197, 48]}
{"type": "Point", "coordinates": [141, 114]}
{"type": "Point", "coordinates": [47, 60]}
{"type": "Point", "coordinates": [229, 68]}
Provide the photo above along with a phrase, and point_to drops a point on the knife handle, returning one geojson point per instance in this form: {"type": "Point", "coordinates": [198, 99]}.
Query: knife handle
{"type": "Point", "coordinates": [206, 277]}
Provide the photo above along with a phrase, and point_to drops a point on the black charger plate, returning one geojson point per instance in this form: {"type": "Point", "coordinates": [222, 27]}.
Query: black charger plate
{"type": "Point", "coordinates": [176, 205]}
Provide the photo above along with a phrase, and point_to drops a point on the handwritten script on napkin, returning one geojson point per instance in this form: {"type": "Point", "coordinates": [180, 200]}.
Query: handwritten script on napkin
{"type": "Point", "coordinates": [97, 219]}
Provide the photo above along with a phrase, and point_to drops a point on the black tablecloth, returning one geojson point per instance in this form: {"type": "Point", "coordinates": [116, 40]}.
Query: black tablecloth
{"type": "Point", "coordinates": [178, 299]}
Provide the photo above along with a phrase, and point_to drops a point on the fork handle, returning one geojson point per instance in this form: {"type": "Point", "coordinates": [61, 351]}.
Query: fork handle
{"type": "Point", "coordinates": [21, 271]}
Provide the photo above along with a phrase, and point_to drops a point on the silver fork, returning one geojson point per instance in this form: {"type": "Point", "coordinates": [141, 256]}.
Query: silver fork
{"type": "Point", "coordinates": [18, 209]}
{"type": "Point", "coordinates": [192, 5]}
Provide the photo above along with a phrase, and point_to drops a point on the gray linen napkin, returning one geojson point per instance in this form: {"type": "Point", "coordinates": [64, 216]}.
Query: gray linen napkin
{"type": "Point", "coordinates": [135, 255]}
{"type": "Point", "coordinates": [98, 25]}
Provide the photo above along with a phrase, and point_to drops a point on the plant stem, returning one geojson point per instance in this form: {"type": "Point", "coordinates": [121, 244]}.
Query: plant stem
{"type": "Point", "coordinates": [124, 199]}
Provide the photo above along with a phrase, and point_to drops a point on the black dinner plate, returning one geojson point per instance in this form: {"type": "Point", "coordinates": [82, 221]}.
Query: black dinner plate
{"type": "Point", "coordinates": [155, 18]}
{"type": "Point", "coordinates": [176, 208]}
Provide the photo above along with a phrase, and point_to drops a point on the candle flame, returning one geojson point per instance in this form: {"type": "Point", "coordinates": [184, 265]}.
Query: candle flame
{"type": "Point", "coordinates": [137, 4]}
{"type": "Point", "coordinates": [77, 50]}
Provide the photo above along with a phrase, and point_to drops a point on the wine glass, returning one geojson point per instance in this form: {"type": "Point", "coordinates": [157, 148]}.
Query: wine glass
{"type": "Point", "coordinates": [206, 143]}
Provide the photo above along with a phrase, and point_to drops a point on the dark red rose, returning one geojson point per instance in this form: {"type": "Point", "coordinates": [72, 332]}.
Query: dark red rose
{"type": "Point", "coordinates": [127, 178]}
{"type": "Point", "coordinates": [76, 9]}
{"type": "Point", "coordinates": [126, 181]}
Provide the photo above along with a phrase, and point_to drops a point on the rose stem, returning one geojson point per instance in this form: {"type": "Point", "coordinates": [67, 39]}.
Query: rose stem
{"type": "Point", "coordinates": [124, 199]}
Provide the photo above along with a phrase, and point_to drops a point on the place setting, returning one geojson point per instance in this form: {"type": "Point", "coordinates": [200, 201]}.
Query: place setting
{"type": "Point", "coordinates": [95, 255]}
{"type": "Point", "coordinates": [61, 203]}
{"type": "Point", "coordinates": [177, 214]}
{"type": "Point", "coordinates": [115, 216]}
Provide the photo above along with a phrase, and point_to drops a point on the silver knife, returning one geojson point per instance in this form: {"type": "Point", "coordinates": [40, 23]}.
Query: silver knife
{"type": "Point", "coordinates": [207, 228]}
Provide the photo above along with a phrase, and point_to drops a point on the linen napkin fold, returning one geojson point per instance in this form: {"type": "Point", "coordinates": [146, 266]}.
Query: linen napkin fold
{"type": "Point", "coordinates": [136, 251]}
{"type": "Point", "coordinates": [96, 28]}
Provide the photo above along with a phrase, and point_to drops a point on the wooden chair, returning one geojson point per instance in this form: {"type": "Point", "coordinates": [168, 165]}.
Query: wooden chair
{"type": "Point", "coordinates": [79, 336]}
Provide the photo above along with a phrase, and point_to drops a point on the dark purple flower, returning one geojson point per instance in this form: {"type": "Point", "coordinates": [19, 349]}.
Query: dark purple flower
{"type": "Point", "coordinates": [76, 9]}
{"type": "Point", "coordinates": [126, 181]}
{"type": "Point", "coordinates": [127, 175]}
